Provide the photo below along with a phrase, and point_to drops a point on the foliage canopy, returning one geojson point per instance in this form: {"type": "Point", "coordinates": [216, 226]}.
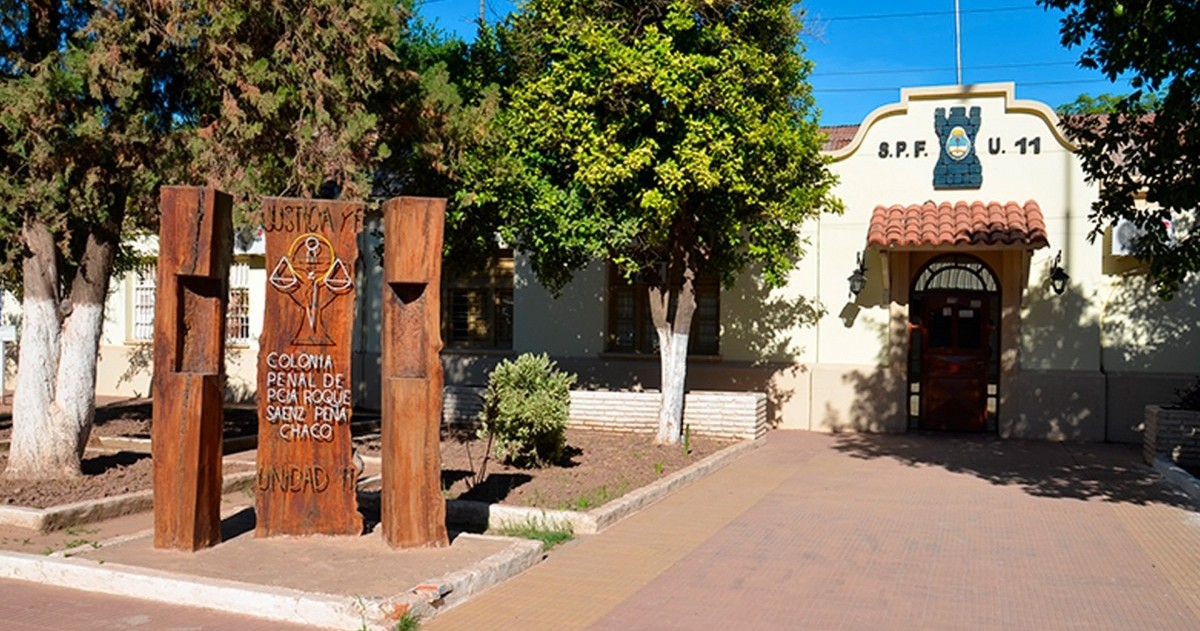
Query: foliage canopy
{"type": "Point", "coordinates": [669, 130]}
{"type": "Point", "coordinates": [1149, 142]}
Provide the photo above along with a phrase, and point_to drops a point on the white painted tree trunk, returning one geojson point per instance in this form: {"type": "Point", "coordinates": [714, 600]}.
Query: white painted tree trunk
{"type": "Point", "coordinates": [54, 399]}
{"type": "Point", "coordinates": [673, 356]}
{"type": "Point", "coordinates": [673, 347]}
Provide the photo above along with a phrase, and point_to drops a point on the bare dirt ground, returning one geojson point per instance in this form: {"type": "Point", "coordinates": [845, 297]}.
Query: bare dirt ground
{"type": "Point", "coordinates": [596, 467]}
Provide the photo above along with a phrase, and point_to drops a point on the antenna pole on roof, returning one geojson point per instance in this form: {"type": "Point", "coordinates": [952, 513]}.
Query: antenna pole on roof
{"type": "Point", "coordinates": [957, 43]}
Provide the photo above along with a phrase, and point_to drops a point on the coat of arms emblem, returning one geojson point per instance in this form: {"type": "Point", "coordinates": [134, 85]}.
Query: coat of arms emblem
{"type": "Point", "coordinates": [958, 165]}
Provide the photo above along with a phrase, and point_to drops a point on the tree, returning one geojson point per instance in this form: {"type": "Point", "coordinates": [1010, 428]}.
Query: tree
{"type": "Point", "coordinates": [1148, 143]}
{"type": "Point", "coordinates": [1086, 104]}
{"type": "Point", "coordinates": [85, 125]}
{"type": "Point", "coordinates": [672, 138]}
{"type": "Point", "coordinates": [293, 97]}
{"type": "Point", "coordinates": [102, 101]}
{"type": "Point", "coordinates": [450, 123]}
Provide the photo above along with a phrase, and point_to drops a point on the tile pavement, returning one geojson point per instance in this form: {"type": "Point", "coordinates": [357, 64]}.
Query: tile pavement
{"type": "Point", "coordinates": [817, 531]}
{"type": "Point", "coordinates": [881, 532]}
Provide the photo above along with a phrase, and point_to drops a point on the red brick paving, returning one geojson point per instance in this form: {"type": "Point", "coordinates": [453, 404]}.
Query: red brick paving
{"type": "Point", "coordinates": [881, 532]}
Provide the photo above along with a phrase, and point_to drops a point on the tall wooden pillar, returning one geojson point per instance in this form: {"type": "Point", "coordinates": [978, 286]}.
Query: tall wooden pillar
{"type": "Point", "coordinates": [413, 508]}
{"type": "Point", "coordinates": [191, 297]}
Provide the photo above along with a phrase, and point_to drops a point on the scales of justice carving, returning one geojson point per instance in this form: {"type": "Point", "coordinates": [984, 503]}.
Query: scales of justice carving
{"type": "Point", "coordinates": [313, 276]}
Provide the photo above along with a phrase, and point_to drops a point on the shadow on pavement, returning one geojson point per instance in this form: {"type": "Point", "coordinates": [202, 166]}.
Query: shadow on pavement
{"type": "Point", "coordinates": [1103, 472]}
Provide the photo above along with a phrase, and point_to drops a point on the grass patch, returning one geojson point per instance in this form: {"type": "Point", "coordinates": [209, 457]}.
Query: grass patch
{"type": "Point", "coordinates": [550, 535]}
{"type": "Point", "coordinates": [408, 622]}
{"type": "Point", "coordinates": [596, 497]}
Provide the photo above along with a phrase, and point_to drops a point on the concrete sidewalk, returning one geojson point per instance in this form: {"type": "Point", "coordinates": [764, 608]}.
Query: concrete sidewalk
{"type": "Point", "coordinates": [28, 606]}
{"type": "Point", "coordinates": [880, 532]}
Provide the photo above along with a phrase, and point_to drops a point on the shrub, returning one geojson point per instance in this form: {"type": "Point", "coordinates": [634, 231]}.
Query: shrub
{"type": "Point", "coordinates": [525, 410]}
{"type": "Point", "coordinates": [1188, 398]}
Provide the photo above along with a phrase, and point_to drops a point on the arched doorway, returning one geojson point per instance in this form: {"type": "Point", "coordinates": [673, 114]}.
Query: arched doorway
{"type": "Point", "coordinates": [953, 365]}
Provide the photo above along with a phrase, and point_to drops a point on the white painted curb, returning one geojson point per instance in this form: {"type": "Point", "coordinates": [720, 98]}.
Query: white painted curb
{"type": "Point", "coordinates": [274, 603]}
{"type": "Point", "coordinates": [1177, 476]}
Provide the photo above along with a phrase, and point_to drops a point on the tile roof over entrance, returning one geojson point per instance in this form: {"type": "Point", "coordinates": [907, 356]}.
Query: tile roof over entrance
{"type": "Point", "coordinates": [958, 225]}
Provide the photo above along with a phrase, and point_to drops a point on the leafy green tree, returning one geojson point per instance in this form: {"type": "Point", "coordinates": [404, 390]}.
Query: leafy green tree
{"type": "Point", "coordinates": [450, 126]}
{"type": "Point", "coordinates": [293, 97]}
{"type": "Point", "coordinates": [101, 101]}
{"type": "Point", "coordinates": [85, 130]}
{"type": "Point", "coordinates": [1086, 104]}
{"type": "Point", "coordinates": [1147, 143]}
{"type": "Point", "coordinates": [672, 138]}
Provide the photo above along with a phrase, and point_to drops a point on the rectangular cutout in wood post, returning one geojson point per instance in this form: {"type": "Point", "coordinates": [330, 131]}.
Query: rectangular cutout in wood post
{"type": "Point", "coordinates": [195, 248]}
{"type": "Point", "coordinates": [306, 477]}
{"type": "Point", "coordinates": [413, 508]}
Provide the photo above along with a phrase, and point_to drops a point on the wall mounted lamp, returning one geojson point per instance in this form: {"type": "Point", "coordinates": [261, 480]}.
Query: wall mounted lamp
{"type": "Point", "coordinates": [858, 279]}
{"type": "Point", "coordinates": [1058, 276]}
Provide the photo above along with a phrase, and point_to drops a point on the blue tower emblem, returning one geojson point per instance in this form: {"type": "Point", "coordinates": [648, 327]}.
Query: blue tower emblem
{"type": "Point", "coordinates": [958, 165]}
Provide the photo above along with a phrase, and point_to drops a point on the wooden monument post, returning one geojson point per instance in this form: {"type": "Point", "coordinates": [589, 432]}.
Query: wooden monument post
{"type": "Point", "coordinates": [191, 296]}
{"type": "Point", "coordinates": [413, 509]}
{"type": "Point", "coordinates": [306, 477]}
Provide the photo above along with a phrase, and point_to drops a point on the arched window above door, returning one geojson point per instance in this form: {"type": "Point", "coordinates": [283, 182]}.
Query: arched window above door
{"type": "Point", "coordinates": [958, 272]}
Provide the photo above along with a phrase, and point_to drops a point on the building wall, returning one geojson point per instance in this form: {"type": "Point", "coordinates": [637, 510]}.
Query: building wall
{"type": "Point", "coordinates": [1076, 366]}
{"type": "Point", "coordinates": [126, 363]}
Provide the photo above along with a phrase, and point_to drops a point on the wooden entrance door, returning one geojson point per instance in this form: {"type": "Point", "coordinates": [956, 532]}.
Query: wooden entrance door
{"type": "Point", "coordinates": [954, 361]}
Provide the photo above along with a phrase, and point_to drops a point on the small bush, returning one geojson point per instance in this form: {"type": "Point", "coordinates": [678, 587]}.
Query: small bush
{"type": "Point", "coordinates": [525, 410]}
{"type": "Point", "coordinates": [1188, 398]}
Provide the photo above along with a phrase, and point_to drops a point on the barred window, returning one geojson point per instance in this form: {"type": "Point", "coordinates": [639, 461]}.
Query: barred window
{"type": "Point", "coordinates": [143, 304]}
{"type": "Point", "coordinates": [237, 316]}
{"type": "Point", "coordinates": [631, 328]}
{"type": "Point", "coordinates": [477, 307]}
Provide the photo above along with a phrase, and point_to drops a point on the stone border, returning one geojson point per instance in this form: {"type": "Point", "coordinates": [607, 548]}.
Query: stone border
{"type": "Point", "coordinates": [45, 520]}
{"type": "Point", "coordinates": [495, 516]}
{"type": "Point", "coordinates": [1177, 476]}
{"type": "Point", "coordinates": [275, 603]}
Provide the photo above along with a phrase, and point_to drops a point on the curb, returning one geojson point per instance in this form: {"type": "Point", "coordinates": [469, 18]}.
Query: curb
{"type": "Point", "coordinates": [1177, 477]}
{"type": "Point", "coordinates": [496, 516]}
{"type": "Point", "coordinates": [275, 603]}
{"type": "Point", "coordinates": [45, 520]}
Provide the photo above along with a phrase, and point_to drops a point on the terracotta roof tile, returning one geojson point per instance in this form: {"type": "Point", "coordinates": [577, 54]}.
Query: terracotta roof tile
{"type": "Point", "coordinates": [961, 224]}
{"type": "Point", "coordinates": [838, 136]}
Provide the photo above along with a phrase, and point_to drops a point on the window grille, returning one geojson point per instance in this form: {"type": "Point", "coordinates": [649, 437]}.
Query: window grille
{"type": "Point", "coordinates": [237, 316]}
{"type": "Point", "coordinates": [477, 306]}
{"type": "Point", "coordinates": [631, 328]}
{"type": "Point", "coordinates": [143, 304]}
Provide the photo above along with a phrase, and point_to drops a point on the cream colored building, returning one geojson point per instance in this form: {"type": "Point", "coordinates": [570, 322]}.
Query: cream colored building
{"type": "Point", "coordinates": [959, 200]}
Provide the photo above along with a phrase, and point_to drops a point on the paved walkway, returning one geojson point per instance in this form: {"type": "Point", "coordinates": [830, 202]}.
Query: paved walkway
{"type": "Point", "coordinates": [880, 532]}
{"type": "Point", "coordinates": [831, 532]}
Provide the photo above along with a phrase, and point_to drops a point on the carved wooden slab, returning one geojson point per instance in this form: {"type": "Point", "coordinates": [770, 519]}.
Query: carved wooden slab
{"type": "Point", "coordinates": [412, 505]}
{"type": "Point", "coordinates": [306, 477]}
{"type": "Point", "coordinates": [195, 247]}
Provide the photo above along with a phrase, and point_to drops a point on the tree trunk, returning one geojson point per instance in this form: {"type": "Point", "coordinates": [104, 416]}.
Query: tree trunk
{"type": "Point", "coordinates": [54, 400]}
{"type": "Point", "coordinates": [672, 347]}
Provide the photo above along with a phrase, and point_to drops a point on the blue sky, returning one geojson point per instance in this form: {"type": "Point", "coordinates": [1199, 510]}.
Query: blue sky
{"type": "Point", "coordinates": [866, 50]}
